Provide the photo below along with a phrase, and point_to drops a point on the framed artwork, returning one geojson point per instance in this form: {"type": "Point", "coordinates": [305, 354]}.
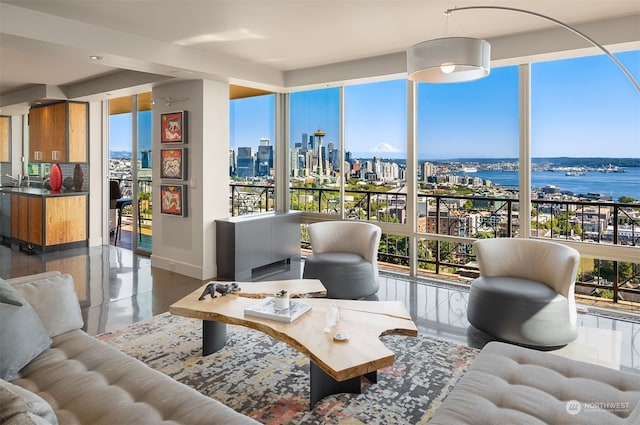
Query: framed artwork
{"type": "Point", "coordinates": [173, 127]}
{"type": "Point", "coordinates": [173, 163]}
{"type": "Point", "coordinates": [173, 199]}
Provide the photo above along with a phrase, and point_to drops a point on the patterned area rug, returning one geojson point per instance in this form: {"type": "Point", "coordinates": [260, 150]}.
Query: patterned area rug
{"type": "Point", "coordinates": [269, 381]}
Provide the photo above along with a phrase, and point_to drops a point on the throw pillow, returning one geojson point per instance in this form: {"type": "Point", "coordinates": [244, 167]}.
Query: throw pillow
{"type": "Point", "coordinates": [53, 297]}
{"type": "Point", "coordinates": [22, 336]}
{"type": "Point", "coordinates": [21, 406]}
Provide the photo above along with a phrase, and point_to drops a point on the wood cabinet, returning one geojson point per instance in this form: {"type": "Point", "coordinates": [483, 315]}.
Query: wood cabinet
{"type": "Point", "coordinates": [49, 222]}
{"type": "Point", "coordinates": [58, 132]}
{"type": "Point", "coordinates": [66, 220]}
{"type": "Point", "coordinates": [26, 218]}
{"type": "Point", "coordinates": [5, 139]}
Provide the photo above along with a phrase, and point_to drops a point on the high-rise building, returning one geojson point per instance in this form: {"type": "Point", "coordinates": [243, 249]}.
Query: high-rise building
{"type": "Point", "coordinates": [232, 162]}
{"type": "Point", "coordinates": [264, 161]}
{"type": "Point", "coordinates": [245, 166]}
{"type": "Point", "coordinates": [146, 158]}
{"type": "Point", "coordinates": [427, 170]}
{"type": "Point", "coordinates": [294, 166]}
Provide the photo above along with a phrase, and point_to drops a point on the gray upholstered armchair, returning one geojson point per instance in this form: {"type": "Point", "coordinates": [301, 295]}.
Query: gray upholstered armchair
{"type": "Point", "coordinates": [344, 258]}
{"type": "Point", "coordinates": [525, 292]}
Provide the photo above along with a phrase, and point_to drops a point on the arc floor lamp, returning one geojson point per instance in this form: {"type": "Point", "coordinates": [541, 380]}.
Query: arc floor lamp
{"type": "Point", "coordinates": [455, 59]}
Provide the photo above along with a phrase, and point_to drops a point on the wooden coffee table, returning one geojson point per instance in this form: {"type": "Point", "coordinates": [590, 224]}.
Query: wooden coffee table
{"type": "Point", "coordinates": [336, 367]}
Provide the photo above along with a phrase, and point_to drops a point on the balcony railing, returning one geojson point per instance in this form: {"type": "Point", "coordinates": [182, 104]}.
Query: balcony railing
{"type": "Point", "coordinates": [473, 217]}
{"type": "Point", "coordinates": [145, 190]}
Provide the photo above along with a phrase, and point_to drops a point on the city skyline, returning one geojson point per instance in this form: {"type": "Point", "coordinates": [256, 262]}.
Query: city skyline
{"type": "Point", "coordinates": [587, 109]}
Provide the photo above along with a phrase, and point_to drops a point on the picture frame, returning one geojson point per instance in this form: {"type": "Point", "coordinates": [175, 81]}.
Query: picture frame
{"type": "Point", "coordinates": [173, 127]}
{"type": "Point", "coordinates": [173, 163]}
{"type": "Point", "coordinates": [173, 200]}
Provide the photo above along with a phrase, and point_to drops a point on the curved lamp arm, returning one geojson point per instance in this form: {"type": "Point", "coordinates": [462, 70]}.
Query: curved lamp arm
{"type": "Point", "coordinates": [563, 25]}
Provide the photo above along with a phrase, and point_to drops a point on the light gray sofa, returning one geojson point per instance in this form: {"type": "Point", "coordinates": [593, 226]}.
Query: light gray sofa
{"type": "Point", "coordinates": [53, 372]}
{"type": "Point", "coordinates": [508, 384]}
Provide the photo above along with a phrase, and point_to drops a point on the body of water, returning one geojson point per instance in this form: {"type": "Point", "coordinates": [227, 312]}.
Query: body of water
{"type": "Point", "coordinates": [613, 184]}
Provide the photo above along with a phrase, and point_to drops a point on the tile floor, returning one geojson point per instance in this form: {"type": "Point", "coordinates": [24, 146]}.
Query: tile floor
{"type": "Point", "coordinates": [117, 288]}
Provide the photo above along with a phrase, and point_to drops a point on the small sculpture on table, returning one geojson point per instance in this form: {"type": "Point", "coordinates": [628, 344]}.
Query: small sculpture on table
{"type": "Point", "coordinates": [221, 288]}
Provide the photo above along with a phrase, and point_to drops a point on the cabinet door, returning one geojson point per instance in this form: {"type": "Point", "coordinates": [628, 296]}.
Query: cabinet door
{"type": "Point", "coordinates": [78, 117]}
{"type": "Point", "coordinates": [23, 217]}
{"type": "Point", "coordinates": [66, 219]}
{"type": "Point", "coordinates": [48, 133]}
{"type": "Point", "coordinates": [37, 133]}
{"type": "Point", "coordinates": [26, 218]}
{"type": "Point", "coordinates": [5, 139]}
{"type": "Point", "coordinates": [56, 145]}
{"type": "Point", "coordinates": [34, 226]}
{"type": "Point", "coordinates": [15, 216]}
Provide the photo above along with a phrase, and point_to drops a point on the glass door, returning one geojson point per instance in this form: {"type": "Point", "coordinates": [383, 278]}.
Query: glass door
{"type": "Point", "coordinates": [130, 165]}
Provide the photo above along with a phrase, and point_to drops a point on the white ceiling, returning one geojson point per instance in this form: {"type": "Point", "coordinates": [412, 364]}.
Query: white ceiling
{"type": "Point", "coordinates": [261, 43]}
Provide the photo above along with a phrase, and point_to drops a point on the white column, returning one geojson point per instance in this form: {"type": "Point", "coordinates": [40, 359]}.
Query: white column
{"type": "Point", "coordinates": [524, 197]}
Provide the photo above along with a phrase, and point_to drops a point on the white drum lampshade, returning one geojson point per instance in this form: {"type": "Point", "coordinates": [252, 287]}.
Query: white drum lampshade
{"type": "Point", "coordinates": [449, 60]}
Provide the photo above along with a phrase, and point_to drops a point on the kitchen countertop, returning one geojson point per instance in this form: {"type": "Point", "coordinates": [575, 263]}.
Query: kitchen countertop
{"type": "Point", "coordinates": [37, 191]}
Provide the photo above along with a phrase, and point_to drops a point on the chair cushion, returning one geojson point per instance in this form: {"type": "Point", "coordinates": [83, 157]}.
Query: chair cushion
{"type": "Point", "coordinates": [22, 407]}
{"type": "Point", "coordinates": [507, 384]}
{"type": "Point", "coordinates": [521, 311]}
{"type": "Point", "coordinates": [345, 275]}
{"type": "Point", "coordinates": [22, 335]}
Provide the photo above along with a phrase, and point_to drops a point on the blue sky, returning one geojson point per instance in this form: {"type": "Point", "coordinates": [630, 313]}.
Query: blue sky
{"type": "Point", "coordinates": [120, 131]}
{"type": "Point", "coordinates": [580, 108]}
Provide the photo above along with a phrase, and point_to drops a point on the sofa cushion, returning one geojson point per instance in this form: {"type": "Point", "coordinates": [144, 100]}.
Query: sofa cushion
{"type": "Point", "coordinates": [22, 407]}
{"type": "Point", "coordinates": [507, 384]}
{"type": "Point", "coordinates": [88, 382]}
{"type": "Point", "coordinates": [59, 316]}
{"type": "Point", "coordinates": [22, 335]}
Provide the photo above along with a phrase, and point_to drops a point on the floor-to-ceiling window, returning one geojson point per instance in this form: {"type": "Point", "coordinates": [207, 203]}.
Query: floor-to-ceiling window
{"type": "Point", "coordinates": [585, 145]}
{"type": "Point", "coordinates": [467, 166]}
{"type": "Point", "coordinates": [314, 125]}
{"type": "Point", "coordinates": [375, 160]}
{"type": "Point", "coordinates": [471, 163]}
{"type": "Point", "coordinates": [251, 154]}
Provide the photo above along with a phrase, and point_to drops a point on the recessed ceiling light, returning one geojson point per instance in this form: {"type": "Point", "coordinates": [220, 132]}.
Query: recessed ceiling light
{"type": "Point", "coordinates": [95, 58]}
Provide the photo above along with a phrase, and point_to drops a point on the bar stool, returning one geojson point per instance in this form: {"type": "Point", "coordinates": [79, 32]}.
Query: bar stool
{"type": "Point", "coordinates": [120, 204]}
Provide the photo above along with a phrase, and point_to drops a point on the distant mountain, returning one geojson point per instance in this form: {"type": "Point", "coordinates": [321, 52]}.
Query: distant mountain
{"type": "Point", "coordinates": [384, 148]}
{"type": "Point", "coordinates": [120, 154]}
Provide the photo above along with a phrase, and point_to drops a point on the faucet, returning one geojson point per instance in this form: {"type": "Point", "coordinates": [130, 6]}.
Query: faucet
{"type": "Point", "coordinates": [17, 180]}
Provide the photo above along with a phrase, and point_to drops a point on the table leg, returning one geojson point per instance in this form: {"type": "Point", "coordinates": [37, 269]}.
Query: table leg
{"type": "Point", "coordinates": [372, 376]}
{"type": "Point", "coordinates": [323, 385]}
{"type": "Point", "coordinates": [214, 336]}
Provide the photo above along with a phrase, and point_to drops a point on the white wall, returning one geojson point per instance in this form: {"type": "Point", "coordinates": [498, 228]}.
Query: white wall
{"type": "Point", "coordinates": [186, 245]}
